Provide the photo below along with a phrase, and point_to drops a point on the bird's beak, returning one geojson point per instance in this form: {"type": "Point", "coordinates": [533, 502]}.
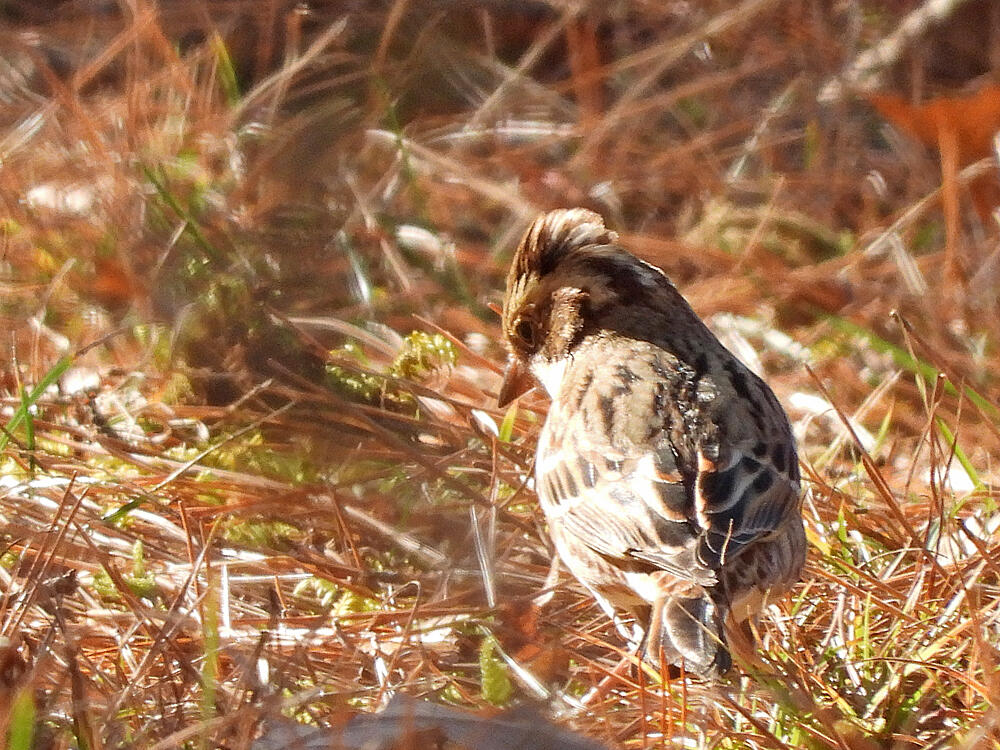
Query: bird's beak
{"type": "Point", "coordinates": [516, 382]}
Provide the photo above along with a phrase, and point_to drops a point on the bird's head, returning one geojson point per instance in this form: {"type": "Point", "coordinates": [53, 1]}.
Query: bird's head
{"type": "Point", "coordinates": [552, 290]}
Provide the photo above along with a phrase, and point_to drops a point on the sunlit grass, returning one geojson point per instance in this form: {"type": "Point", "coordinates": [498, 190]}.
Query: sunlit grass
{"type": "Point", "coordinates": [253, 466]}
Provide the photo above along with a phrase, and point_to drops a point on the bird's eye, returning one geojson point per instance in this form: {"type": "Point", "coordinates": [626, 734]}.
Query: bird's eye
{"type": "Point", "coordinates": [525, 331]}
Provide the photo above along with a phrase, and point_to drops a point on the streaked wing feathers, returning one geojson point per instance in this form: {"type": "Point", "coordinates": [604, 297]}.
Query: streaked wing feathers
{"type": "Point", "coordinates": [623, 509]}
{"type": "Point", "coordinates": [740, 505]}
{"type": "Point", "coordinates": [626, 508]}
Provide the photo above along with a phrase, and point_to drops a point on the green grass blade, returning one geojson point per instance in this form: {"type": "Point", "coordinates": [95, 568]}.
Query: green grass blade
{"type": "Point", "coordinates": [227, 71]}
{"type": "Point", "coordinates": [22, 721]}
{"type": "Point", "coordinates": [960, 454]}
{"type": "Point", "coordinates": [908, 362]}
{"type": "Point", "coordinates": [32, 397]}
{"type": "Point", "coordinates": [191, 225]}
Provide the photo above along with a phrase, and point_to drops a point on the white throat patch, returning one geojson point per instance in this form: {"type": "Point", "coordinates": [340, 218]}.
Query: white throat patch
{"type": "Point", "coordinates": [549, 373]}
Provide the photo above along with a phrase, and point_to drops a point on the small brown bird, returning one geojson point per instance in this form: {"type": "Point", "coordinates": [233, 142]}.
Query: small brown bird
{"type": "Point", "coordinates": [666, 469]}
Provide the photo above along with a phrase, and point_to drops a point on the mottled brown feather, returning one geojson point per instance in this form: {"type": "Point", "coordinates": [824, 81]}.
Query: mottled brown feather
{"type": "Point", "coordinates": [666, 469]}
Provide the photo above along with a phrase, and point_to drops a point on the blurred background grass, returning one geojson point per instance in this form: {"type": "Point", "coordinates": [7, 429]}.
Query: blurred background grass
{"type": "Point", "coordinates": [252, 465]}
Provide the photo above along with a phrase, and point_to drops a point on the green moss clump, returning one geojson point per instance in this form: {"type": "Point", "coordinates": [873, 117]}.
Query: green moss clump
{"type": "Point", "coordinates": [334, 599]}
{"type": "Point", "coordinates": [259, 533]}
{"type": "Point", "coordinates": [355, 385]}
{"type": "Point", "coordinates": [420, 355]}
{"type": "Point", "coordinates": [251, 454]}
{"type": "Point", "coordinates": [140, 581]}
{"type": "Point", "coordinates": [496, 685]}
{"type": "Point", "coordinates": [8, 560]}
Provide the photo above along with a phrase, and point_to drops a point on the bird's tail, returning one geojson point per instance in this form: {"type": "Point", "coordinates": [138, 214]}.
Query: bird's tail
{"type": "Point", "coordinates": [688, 632]}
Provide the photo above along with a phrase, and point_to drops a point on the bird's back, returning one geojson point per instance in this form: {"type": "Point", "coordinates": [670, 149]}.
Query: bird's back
{"type": "Point", "coordinates": [668, 479]}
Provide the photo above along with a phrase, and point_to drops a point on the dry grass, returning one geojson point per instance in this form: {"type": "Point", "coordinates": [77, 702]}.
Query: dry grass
{"type": "Point", "coordinates": [232, 489]}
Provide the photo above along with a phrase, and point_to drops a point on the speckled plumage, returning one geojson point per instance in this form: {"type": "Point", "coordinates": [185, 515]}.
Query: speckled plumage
{"type": "Point", "coordinates": [666, 469]}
